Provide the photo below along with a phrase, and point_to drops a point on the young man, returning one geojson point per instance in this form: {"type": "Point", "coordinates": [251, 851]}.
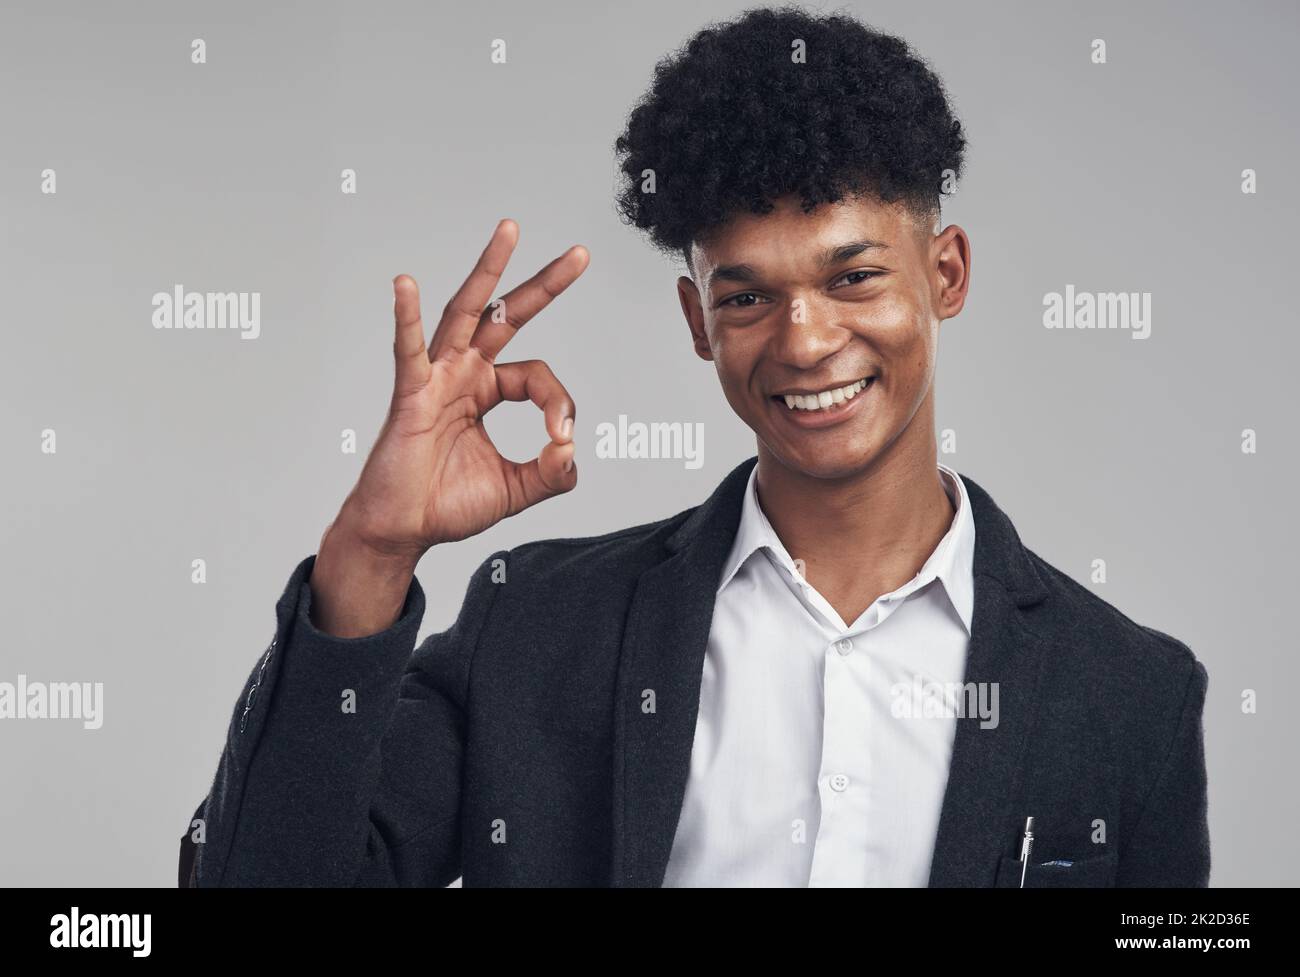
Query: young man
{"type": "Point", "coordinates": [843, 668]}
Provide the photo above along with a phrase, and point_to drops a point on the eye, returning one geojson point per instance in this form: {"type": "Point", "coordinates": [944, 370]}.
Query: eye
{"type": "Point", "coordinates": [741, 300]}
{"type": "Point", "coordinates": [856, 277]}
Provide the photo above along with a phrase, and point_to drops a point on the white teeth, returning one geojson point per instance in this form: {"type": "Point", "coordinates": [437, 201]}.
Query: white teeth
{"type": "Point", "coordinates": [824, 399]}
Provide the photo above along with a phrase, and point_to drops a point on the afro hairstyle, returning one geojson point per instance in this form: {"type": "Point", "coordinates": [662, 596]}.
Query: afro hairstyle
{"type": "Point", "coordinates": [737, 118]}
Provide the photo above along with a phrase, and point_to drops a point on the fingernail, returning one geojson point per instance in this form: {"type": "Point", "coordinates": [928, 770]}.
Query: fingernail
{"type": "Point", "coordinates": [568, 466]}
{"type": "Point", "coordinates": [566, 428]}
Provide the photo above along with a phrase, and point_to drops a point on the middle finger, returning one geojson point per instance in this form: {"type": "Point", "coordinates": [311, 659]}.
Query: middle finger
{"type": "Point", "coordinates": [503, 317]}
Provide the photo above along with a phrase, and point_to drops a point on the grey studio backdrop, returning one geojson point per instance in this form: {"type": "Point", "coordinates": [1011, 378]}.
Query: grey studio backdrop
{"type": "Point", "coordinates": [177, 445]}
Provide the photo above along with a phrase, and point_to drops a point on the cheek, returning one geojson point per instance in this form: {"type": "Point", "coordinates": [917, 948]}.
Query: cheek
{"type": "Point", "coordinates": [735, 360]}
{"type": "Point", "coordinates": [905, 338]}
{"type": "Point", "coordinates": [731, 359]}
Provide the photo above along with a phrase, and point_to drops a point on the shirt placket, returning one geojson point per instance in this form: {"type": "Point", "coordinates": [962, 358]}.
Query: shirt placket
{"type": "Point", "coordinates": [842, 850]}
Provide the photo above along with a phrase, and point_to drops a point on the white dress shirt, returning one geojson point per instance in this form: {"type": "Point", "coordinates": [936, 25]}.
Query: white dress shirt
{"type": "Point", "coordinates": [810, 767]}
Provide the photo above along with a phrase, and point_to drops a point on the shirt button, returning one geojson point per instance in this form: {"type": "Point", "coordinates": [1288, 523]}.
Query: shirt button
{"type": "Point", "coordinates": [839, 783]}
{"type": "Point", "coordinates": [844, 646]}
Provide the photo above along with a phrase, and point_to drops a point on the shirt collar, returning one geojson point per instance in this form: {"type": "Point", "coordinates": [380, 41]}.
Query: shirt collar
{"type": "Point", "coordinates": [952, 561]}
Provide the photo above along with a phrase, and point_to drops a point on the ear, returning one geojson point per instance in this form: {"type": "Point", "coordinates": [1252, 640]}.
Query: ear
{"type": "Point", "coordinates": [693, 310]}
{"type": "Point", "coordinates": [950, 256]}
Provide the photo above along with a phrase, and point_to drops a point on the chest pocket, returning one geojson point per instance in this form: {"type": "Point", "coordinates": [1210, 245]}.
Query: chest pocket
{"type": "Point", "coordinates": [1097, 872]}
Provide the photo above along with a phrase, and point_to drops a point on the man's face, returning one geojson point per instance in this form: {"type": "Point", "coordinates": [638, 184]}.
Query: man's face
{"type": "Point", "coordinates": [797, 310]}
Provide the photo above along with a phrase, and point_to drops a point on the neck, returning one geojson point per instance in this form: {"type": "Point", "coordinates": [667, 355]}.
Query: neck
{"type": "Point", "coordinates": [866, 534]}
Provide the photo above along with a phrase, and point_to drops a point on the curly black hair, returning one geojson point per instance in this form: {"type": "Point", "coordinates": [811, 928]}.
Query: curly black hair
{"type": "Point", "coordinates": [734, 120]}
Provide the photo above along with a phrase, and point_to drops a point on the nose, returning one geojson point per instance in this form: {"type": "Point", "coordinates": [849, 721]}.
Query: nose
{"type": "Point", "coordinates": [807, 335]}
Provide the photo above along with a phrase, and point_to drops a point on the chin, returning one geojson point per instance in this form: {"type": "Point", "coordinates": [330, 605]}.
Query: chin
{"type": "Point", "coordinates": [827, 461]}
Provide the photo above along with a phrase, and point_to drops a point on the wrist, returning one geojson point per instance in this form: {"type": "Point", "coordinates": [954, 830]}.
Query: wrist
{"type": "Point", "coordinates": [357, 590]}
{"type": "Point", "coordinates": [344, 544]}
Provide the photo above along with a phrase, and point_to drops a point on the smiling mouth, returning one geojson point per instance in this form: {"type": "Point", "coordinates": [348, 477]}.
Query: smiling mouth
{"type": "Point", "coordinates": [824, 399]}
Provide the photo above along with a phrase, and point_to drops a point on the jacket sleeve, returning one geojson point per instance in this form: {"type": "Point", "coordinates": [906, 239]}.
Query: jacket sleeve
{"type": "Point", "coordinates": [342, 761]}
{"type": "Point", "coordinates": [1170, 845]}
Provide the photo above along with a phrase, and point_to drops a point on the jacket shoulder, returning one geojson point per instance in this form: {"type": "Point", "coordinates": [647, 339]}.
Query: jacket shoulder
{"type": "Point", "coordinates": [1110, 651]}
{"type": "Point", "coordinates": [604, 557]}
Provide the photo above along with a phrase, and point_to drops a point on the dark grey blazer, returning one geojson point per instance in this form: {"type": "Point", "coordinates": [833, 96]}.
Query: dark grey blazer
{"type": "Point", "coordinates": [512, 749]}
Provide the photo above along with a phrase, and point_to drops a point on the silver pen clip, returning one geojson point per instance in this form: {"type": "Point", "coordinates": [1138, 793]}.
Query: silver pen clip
{"type": "Point", "coordinates": [1026, 846]}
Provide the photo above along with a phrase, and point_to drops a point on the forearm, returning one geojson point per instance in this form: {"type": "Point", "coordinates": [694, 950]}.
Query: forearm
{"type": "Point", "coordinates": [290, 802]}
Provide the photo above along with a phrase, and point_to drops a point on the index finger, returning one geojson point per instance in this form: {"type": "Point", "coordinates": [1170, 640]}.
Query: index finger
{"type": "Point", "coordinates": [461, 315]}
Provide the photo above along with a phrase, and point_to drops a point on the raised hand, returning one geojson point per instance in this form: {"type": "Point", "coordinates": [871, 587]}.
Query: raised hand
{"type": "Point", "coordinates": [434, 475]}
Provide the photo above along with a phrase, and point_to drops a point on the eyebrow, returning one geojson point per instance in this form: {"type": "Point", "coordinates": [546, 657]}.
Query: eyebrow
{"type": "Point", "coordinates": [745, 274]}
{"type": "Point", "coordinates": [844, 252]}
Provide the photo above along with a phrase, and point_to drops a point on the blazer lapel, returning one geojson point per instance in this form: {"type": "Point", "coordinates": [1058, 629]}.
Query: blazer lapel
{"type": "Point", "coordinates": [977, 823]}
{"type": "Point", "coordinates": [658, 695]}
